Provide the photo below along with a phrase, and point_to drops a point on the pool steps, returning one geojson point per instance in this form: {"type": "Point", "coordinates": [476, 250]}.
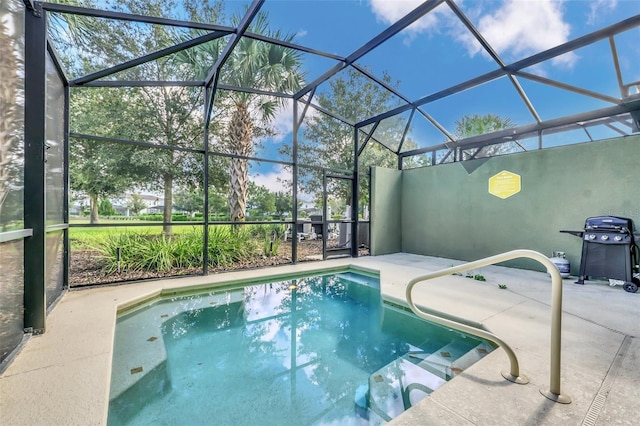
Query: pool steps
{"type": "Point", "coordinates": [454, 358]}
{"type": "Point", "coordinates": [407, 380]}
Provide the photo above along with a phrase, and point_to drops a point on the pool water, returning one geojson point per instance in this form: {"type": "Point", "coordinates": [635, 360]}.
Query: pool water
{"type": "Point", "coordinates": [321, 350]}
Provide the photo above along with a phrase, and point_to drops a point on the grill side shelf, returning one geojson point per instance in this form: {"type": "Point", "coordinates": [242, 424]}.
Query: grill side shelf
{"type": "Point", "coordinates": [578, 234]}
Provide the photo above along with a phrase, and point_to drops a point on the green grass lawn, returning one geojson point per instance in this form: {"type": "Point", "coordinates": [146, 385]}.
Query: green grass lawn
{"type": "Point", "coordinates": [88, 237]}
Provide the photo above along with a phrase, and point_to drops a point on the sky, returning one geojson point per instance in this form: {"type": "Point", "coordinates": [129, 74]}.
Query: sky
{"type": "Point", "coordinates": [437, 52]}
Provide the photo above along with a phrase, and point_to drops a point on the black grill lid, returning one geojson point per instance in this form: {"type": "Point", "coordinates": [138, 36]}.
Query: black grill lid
{"type": "Point", "coordinates": [608, 224]}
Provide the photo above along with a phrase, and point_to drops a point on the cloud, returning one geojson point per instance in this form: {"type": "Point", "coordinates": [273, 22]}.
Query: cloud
{"type": "Point", "coordinates": [515, 29]}
{"type": "Point", "coordinates": [596, 8]}
{"type": "Point", "coordinates": [520, 28]}
{"type": "Point", "coordinates": [282, 123]}
{"type": "Point", "coordinates": [273, 180]}
{"type": "Point", "coordinates": [276, 181]}
{"type": "Point", "coordinates": [389, 12]}
{"type": "Point", "coordinates": [301, 33]}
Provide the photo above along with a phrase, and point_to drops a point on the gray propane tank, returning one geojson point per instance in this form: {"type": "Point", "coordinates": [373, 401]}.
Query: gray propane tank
{"type": "Point", "coordinates": [559, 259]}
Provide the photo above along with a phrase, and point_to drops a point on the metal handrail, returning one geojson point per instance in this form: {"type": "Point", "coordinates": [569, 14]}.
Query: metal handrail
{"type": "Point", "coordinates": [553, 393]}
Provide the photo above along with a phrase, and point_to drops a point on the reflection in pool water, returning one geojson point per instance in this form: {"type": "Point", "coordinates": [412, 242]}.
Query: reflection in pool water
{"type": "Point", "coordinates": [314, 350]}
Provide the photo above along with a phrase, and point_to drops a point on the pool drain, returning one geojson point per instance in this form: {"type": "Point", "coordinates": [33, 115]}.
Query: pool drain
{"type": "Point", "coordinates": [601, 398]}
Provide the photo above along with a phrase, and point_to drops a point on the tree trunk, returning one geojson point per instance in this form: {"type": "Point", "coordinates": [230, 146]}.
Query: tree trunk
{"type": "Point", "coordinates": [238, 189]}
{"type": "Point", "coordinates": [168, 204]}
{"type": "Point", "coordinates": [93, 207]}
{"type": "Point", "coordinates": [240, 136]}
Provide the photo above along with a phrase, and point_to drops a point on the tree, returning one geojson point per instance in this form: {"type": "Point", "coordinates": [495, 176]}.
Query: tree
{"type": "Point", "coordinates": [261, 199]}
{"type": "Point", "coordinates": [99, 171]}
{"type": "Point", "coordinates": [217, 202]}
{"type": "Point", "coordinates": [173, 114]}
{"type": "Point", "coordinates": [283, 203]}
{"type": "Point", "coordinates": [135, 204]}
{"type": "Point", "coordinates": [169, 116]}
{"type": "Point", "coordinates": [106, 208]}
{"type": "Point", "coordinates": [352, 96]}
{"type": "Point", "coordinates": [253, 64]}
{"type": "Point", "coordinates": [189, 201]}
{"type": "Point", "coordinates": [104, 169]}
{"type": "Point", "coordinates": [474, 125]}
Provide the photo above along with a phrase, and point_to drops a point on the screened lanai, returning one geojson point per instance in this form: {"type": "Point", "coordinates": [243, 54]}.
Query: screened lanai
{"type": "Point", "coordinates": [159, 139]}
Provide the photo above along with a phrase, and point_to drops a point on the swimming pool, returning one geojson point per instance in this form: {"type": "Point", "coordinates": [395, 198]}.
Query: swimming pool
{"type": "Point", "coordinates": [321, 349]}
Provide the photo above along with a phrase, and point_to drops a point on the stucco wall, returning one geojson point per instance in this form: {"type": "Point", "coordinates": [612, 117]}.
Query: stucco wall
{"type": "Point", "coordinates": [447, 210]}
{"type": "Point", "coordinates": [386, 202]}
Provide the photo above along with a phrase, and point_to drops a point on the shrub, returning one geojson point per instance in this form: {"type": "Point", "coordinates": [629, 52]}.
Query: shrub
{"type": "Point", "coordinates": [144, 251]}
{"type": "Point", "coordinates": [229, 244]}
{"type": "Point", "coordinates": [151, 217]}
{"type": "Point", "coordinates": [159, 217]}
{"type": "Point", "coordinates": [140, 251]}
{"type": "Point", "coordinates": [272, 237]}
{"type": "Point", "coordinates": [179, 217]}
{"type": "Point", "coordinates": [105, 208]}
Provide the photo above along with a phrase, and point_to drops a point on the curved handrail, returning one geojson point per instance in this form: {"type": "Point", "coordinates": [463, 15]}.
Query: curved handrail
{"type": "Point", "coordinates": [513, 375]}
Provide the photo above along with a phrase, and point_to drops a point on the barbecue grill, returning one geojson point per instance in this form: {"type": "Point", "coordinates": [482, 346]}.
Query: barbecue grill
{"type": "Point", "coordinates": [609, 251]}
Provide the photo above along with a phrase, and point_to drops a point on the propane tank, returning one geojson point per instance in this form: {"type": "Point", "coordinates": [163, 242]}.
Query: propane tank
{"type": "Point", "coordinates": [559, 259]}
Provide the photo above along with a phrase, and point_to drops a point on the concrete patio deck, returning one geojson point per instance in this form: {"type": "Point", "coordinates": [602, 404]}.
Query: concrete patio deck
{"type": "Point", "coordinates": [62, 377]}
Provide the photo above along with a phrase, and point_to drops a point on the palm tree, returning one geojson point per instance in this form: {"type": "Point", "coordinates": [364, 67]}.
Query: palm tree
{"type": "Point", "coordinates": [252, 64]}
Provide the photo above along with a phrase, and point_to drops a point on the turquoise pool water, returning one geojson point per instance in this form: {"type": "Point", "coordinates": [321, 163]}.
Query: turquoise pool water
{"type": "Point", "coordinates": [321, 350]}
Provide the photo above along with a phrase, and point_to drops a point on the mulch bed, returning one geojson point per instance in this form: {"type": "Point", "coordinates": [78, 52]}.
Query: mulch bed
{"type": "Point", "coordinates": [86, 266]}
